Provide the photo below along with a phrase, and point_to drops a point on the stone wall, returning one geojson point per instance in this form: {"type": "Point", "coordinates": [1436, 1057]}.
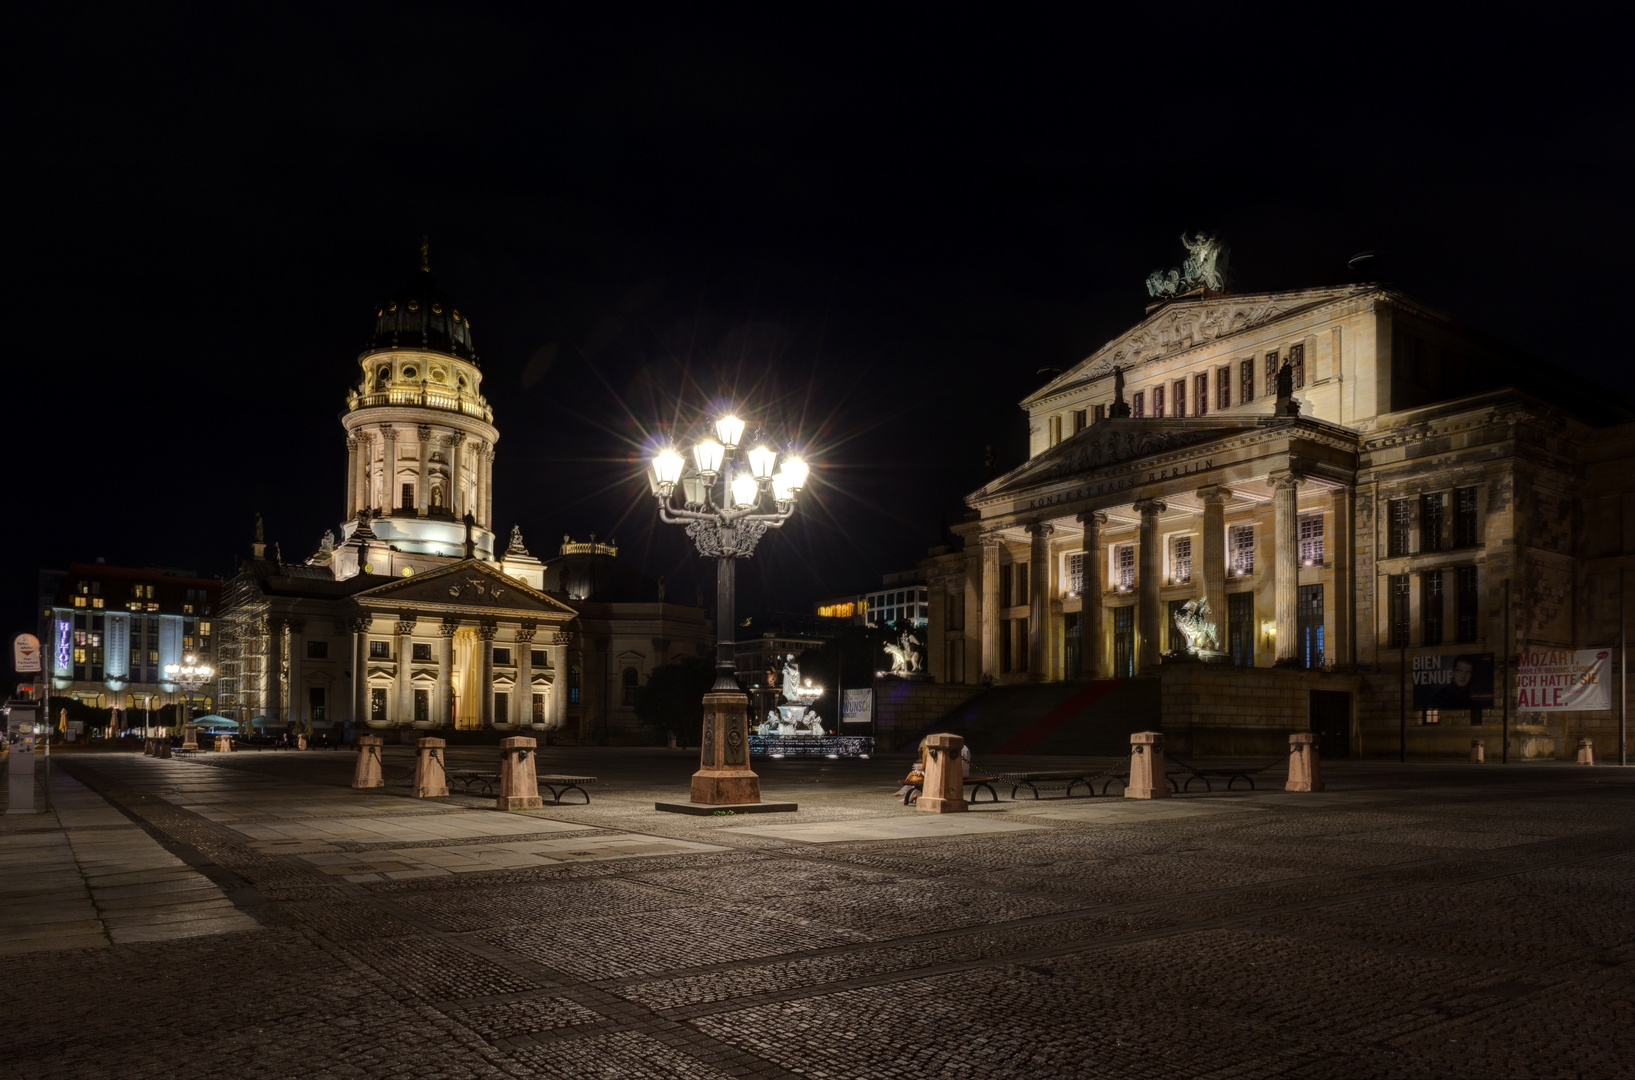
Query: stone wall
{"type": "Point", "coordinates": [1222, 710]}
{"type": "Point", "coordinates": [903, 708]}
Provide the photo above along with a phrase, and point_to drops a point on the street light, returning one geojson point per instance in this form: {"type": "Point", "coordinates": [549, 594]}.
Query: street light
{"type": "Point", "coordinates": [190, 674]}
{"type": "Point", "coordinates": [726, 513]}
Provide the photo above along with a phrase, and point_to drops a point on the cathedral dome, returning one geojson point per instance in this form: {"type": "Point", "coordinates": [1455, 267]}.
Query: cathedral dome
{"type": "Point", "coordinates": [421, 316]}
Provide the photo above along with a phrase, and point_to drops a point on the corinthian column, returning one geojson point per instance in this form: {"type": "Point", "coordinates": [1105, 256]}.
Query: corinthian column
{"type": "Point", "coordinates": [404, 647]}
{"type": "Point", "coordinates": [1215, 498]}
{"type": "Point", "coordinates": [1039, 589]}
{"type": "Point", "coordinates": [1150, 561]}
{"type": "Point", "coordinates": [422, 489]}
{"type": "Point", "coordinates": [444, 715]}
{"type": "Point", "coordinates": [360, 475]}
{"type": "Point", "coordinates": [388, 468]}
{"type": "Point", "coordinates": [360, 671]}
{"type": "Point", "coordinates": [275, 671]}
{"type": "Point", "coordinates": [1091, 611]}
{"type": "Point", "coordinates": [485, 707]}
{"type": "Point", "coordinates": [351, 477]}
{"type": "Point", "coordinates": [523, 711]}
{"type": "Point", "coordinates": [990, 605]}
{"type": "Point", "coordinates": [1285, 564]}
{"type": "Point", "coordinates": [486, 504]}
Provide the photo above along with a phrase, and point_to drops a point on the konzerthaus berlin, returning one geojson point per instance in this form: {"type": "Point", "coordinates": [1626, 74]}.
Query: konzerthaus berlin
{"type": "Point", "coordinates": [1420, 490]}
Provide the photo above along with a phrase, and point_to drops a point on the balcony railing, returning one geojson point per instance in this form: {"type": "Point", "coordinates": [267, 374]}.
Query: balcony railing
{"type": "Point", "coordinates": [421, 397]}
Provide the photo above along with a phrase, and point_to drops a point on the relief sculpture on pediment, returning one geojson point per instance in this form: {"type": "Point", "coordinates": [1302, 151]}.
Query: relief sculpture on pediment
{"type": "Point", "coordinates": [1112, 445]}
{"type": "Point", "coordinates": [1180, 327]}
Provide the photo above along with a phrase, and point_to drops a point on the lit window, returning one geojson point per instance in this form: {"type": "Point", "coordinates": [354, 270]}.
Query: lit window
{"type": "Point", "coordinates": [79, 656]}
{"type": "Point", "coordinates": [1311, 539]}
{"type": "Point", "coordinates": [153, 607]}
{"type": "Point", "coordinates": [79, 601]}
{"type": "Point", "coordinates": [1075, 574]}
{"type": "Point", "coordinates": [1157, 402]}
{"type": "Point", "coordinates": [1124, 567]}
{"type": "Point", "coordinates": [1430, 716]}
{"type": "Point", "coordinates": [1240, 543]}
{"type": "Point", "coordinates": [96, 601]}
{"type": "Point", "coordinates": [1180, 560]}
{"type": "Point", "coordinates": [204, 629]}
{"type": "Point", "coordinates": [1138, 404]}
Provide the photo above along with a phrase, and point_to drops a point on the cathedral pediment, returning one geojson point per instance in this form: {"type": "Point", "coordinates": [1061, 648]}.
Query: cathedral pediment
{"type": "Point", "coordinates": [470, 583]}
{"type": "Point", "coordinates": [1109, 443]}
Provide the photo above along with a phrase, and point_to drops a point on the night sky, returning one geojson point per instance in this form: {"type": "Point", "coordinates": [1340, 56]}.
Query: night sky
{"type": "Point", "coordinates": [871, 230]}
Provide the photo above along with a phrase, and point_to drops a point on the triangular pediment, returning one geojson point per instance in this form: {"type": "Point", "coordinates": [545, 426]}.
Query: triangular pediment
{"type": "Point", "coordinates": [1109, 443]}
{"type": "Point", "coordinates": [470, 583]}
{"type": "Point", "coordinates": [1184, 324]}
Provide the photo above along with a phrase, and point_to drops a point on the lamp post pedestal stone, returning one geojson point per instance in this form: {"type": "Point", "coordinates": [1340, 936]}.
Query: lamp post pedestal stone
{"type": "Point", "coordinates": [724, 777]}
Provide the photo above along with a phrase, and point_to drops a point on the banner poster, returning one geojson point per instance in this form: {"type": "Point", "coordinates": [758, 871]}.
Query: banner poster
{"type": "Point", "coordinates": [1462, 681]}
{"type": "Point", "coordinates": [1564, 680]}
{"type": "Point", "coordinates": [857, 706]}
{"type": "Point", "coordinates": [25, 653]}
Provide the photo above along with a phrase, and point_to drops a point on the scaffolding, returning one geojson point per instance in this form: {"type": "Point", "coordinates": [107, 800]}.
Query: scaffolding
{"type": "Point", "coordinates": [242, 648]}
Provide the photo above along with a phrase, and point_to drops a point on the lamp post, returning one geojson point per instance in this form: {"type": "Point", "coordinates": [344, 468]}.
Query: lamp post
{"type": "Point", "coordinates": [726, 511]}
{"type": "Point", "coordinates": [190, 674]}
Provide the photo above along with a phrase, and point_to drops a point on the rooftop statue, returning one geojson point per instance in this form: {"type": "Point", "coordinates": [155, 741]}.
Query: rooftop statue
{"type": "Point", "coordinates": [1205, 267]}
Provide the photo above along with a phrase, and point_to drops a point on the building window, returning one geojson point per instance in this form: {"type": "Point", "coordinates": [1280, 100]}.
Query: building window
{"type": "Point", "coordinates": [422, 650]}
{"type": "Point", "coordinates": [1430, 523]}
{"type": "Point", "coordinates": [1430, 716]}
{"type": "Point", "coordinates": [1006, 582]}
{"type": "Point", "coordinates": [96, 601]}
{"type": "Point", "coordinates": [380, 650]}
{"type": "Point", "coordinates": [408, 497]}
{"type": "Point", "coordinates": [1080, 420]}
{"type": "Point", "coordinates": [1271, 374]}
{"type": "Point", "coordinates": [377, 704]}
{"type": "Point", "coordinates": [315, 704]}
{"type": "Point", "coordinates": [317, 650]}
{"type": "Point", "coordinates": [502, 656]}
{"type": "Point", "coordinates": [1075, 574]}
{"type": "Point", "coordinates": [631, 681]}
{"type": "Point", "coordinates": [1246, 382]}
{"type": "Point", "coordinates": [1055, 430]}
{"type": "Point", "coordinates": [1138, 403]}
{"type": "Point", "coordinates": [538, 659]}
{"type": "Point", "coordinates": [1157, 402]}
{"type": "Point", "coordinates": [1430, 606]}
{"type": "Point", "coordinates": [502, 707]}
{"type": "Point", "coordinates": [422, 706]}
{"type": "Point", "coordinates": [79, 601]}
{"type": "Point", "coordinates": [1100, 413]}
{"type": "Point", "coordinates": [1396, 528]}
{"type": "Point", "coordinates": [1124, 567]}
{"type": "Point", "coordinates": [1180, 560]}
{"type": "Point", "coordinates": [573, 686]}
{"type": "Point", "coordinates": [1311, 539]}
{"type": "Point", "coordinates": [1200, 393]}
{"type": "Point", "coordinates": [1180, 397]}
{"type": "Point", "coordinates": [1240, 550]}
{"type": "Point", "coordinates": [539, 708]}
{"type": "Point", "coordinates": [1297, 362]}
{"type": "Point", "coordinates": [1467, 603]}
{"type": "Point", "coordinates": [1223, 388]}
{"type": "Point", "coordinates": [1021, 594]}
{"type": "Point", "coordinates": [1464, 510]}
{"type": "Point", "coordinates": [1398, 610]}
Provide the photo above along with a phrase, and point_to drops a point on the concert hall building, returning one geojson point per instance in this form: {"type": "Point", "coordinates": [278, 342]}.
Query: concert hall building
{"type": "Point", "coordinates": [1419, 489]}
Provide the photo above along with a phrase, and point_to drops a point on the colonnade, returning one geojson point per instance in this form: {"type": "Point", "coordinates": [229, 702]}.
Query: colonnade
{"type": "Point", "coordinates": [373, 463]}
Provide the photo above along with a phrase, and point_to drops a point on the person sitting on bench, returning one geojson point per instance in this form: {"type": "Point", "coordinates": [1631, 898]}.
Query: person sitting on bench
{"type": "Point", "coordinates": [916, 776]}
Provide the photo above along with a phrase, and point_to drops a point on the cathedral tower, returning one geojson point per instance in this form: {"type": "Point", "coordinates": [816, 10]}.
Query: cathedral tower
{"type": "Point", "coordinates": [419, 440]}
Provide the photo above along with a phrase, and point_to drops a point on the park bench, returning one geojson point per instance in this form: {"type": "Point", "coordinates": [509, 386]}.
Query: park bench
{"type": "Point", "coordinates": [1231, 773]}
{"type": "Point", "coordinates": [1063, 778]}
{"type": "Point", "coordinates": [467, 779]}
{"type": "Point", "coordinates": [560, 785]}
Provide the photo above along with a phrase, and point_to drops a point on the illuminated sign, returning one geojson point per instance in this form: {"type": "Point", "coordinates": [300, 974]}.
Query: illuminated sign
{"type": "Point", "coordinates": [65, 646]}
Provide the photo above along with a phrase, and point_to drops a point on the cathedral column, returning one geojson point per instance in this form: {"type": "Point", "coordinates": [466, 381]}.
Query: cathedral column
{"type": "Point", "coordinates": [360, 671]}
{"type": "Point", "coordinates": [351, 477]}
{"type": "Point", "coordinates": [485, 707]}
{"type": "Point", "coordinates": [556, 702]}
{"type": "Point", "coordinates": [1285, 564]}
{"type": "Point", "coordinates": [1215, 498]}
{"type": "Point", "coordinates": [488, 487]}
{"type": "Point", "coordinates": [296, 650]}
{"type": "Point", "coordinates": [422, 490]}
{"type": "Point", "coordinates": [388, 468]}
{"type": "Point", "coordinates": [360, 475]}
{"type": "Point", "coordinates": [403, 646]}
{"type": "Point", "coordinates": [443, 714]}
{"type": "Point", "coordinates": [1091, 614]}
{"type": "Point", "coordinates": [1150, 562]}
{"type": "Point", "coordinates": [1039, 590]}
{"type": "Point", "coordinates": [990, 606]}
{"type": "Point", "coordinates": [1342, 608]}
{"type": "Point", "coordinates": [275, 671]}
{"type": "Point", "coordinates": [523, 707]}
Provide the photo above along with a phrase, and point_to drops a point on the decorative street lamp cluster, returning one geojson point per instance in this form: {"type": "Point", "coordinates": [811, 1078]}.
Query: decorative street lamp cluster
{"type": "Point", "coordinates": [725, 510]}
{"type": "Point", "coordinates": [190, 674]}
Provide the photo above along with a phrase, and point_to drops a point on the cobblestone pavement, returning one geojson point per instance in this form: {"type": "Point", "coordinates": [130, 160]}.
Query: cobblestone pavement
{"type": "Point", "coordinates": [1419, 920]}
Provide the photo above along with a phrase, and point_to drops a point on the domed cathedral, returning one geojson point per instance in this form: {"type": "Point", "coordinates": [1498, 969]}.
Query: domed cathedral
{"type": "Point", "coordinates": [414, 621]}
{"type": "Point", "coordinates": [420, 440]}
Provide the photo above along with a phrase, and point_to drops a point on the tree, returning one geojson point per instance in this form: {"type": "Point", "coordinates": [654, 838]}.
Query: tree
{"type": "Point", "coordinates": [672, 699]}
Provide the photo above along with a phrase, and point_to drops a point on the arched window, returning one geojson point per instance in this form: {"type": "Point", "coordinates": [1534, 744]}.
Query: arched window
{"type": "Point", "coordinates": [573, 686]}
{"type": "Point", "coordinates": [631, 678]}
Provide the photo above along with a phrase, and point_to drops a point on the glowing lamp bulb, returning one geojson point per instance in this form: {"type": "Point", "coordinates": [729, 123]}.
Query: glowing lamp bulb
{"type": "Point", "coordinates": [795, 473]}
{"type": "Point", "coordinates": [708, 455]}
{"type": "Point", "coordinates": [744, 490]}
{"type": "Point", "coordinates": [729, 429]}
{"type": "Point", "coordinates": [781, 491]}
{"type": "Point", "coordinates": [762, 460]}
{"type": "Point", "coordinates": [667, 466]}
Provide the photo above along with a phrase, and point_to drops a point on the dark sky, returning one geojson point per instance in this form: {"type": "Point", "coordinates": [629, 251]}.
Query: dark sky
{"type": "Point", "coordinates": [870, 229]}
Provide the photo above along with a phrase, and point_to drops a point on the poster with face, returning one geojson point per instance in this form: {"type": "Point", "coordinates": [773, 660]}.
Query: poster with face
{"type": "Point", "coordinates": [1463, 681]}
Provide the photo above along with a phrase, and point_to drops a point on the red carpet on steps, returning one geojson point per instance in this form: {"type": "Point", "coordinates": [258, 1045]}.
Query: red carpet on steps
{"type": "Point", "coordinates": [1024, 740]}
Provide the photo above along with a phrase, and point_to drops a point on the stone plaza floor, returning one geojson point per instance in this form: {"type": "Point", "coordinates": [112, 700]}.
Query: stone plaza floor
{"type": "Point", "coordinates": [251, 915]}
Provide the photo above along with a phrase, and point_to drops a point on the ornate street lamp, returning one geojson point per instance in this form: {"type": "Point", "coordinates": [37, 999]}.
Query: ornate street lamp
{"type": "Point", "coordinates": [190, 674]}
{"type": "Point", "coordinates": [726, 510]}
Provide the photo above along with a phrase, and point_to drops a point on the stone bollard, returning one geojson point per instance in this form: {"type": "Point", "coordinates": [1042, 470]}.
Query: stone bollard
{"type": "Point", "coordinates": [943, 791]}
{"type": "Point", "coordinates": [224, 744]}
{"type": "Point", "coordinates": [368, 774]}
{"type": "Point", "coordinates": [430, 770]}
{"type": "Point", "coordinates": [162, 749]}
{"type": "Point", "coordinates": [1586, 751]}
{"type": "Point", "coordinates": [190, 736]}
{"type": "Point", "coordinates": [1305, 763]}
{"type": "Point", "coordinates": [1147, 778]}
{"type": "Point", "coordinates": [519, 783]}
{"type": "Point", "coordinates": [147, 747]}
{"type": "Point", "coordinates": [1478, 752]}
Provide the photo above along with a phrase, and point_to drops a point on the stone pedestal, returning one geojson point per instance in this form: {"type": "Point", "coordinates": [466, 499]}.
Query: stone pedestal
{"type": "Point", "coordinates": [944, 789]}
{"type": "Point", "coordinates": [519, 781]}
{"type": "Point", "coordinates": [224, 744]}
{"type": "Point", "coordinates": [367, 774]}
{"type": "Point", "coordinates": [724, 777]}
{"type": "Point", "coordinates": [190, 736]}
{"type": "Point", "coordinates": [430, 770]}
{"type": "Point", "coordinates": [1305, 763]}
{"type": "Point", "coordinates": [1586, 752]}
{"type": "Point", "coordinates": [148, 746]}
{"type": "Point", "coordinates": [162, 750]}
{"type": "Point", "coordinates": [1478, 753]}
{"type": "Point", "coordinates": [1147, 779]}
